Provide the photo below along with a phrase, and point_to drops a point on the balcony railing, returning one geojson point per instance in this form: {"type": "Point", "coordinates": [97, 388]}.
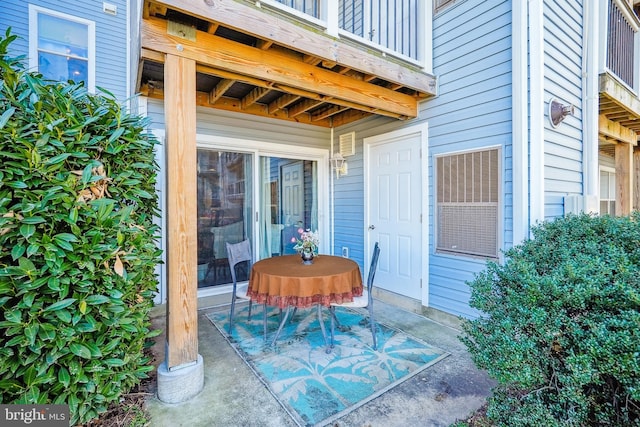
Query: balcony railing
{"type": "Point", "coordinates": [391, 25]}
{"type": "Point", "coordinates": [621, 34]}
{"type": "Point", "coordinates": [309, 7]}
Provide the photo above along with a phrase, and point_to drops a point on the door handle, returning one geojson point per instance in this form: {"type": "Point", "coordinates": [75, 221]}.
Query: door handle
{"type": "Point", "coordinates": [372, 227]}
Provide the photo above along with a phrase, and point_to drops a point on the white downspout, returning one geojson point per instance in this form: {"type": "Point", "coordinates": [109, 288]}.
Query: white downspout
{"type": "Point", "coordinates": [520, 131]}
{"type": "Point", "coordinates": [333, 200]}
{"type": "Point", "coordinates": [590, 101]}
{"type": "Point", "coordinates": [536, 114]}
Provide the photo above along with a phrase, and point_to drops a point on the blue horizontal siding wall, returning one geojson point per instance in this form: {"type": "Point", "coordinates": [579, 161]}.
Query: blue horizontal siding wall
{"type": "Point", "coordinates": [111, 35]}
{"type": "Point", "coordinates": [15, 15]}
{"type": "Point", "coordinates": [563, 169]}
{"type": "Point", "coordinates": [472, 59]}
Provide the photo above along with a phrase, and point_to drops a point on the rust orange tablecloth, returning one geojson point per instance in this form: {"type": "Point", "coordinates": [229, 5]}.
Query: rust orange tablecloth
{"type": "Point", "coordinates": [285, 281]}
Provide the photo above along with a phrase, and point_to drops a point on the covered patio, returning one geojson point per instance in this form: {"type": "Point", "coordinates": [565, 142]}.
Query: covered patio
{"type": "Point", "coordinates": [246, 58]}
{"type": "Point", "coordinates": [450, 390]}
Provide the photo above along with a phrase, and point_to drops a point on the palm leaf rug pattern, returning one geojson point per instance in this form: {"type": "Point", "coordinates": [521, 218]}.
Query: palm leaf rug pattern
{"type": "Point", "coordinates": [314, 387]}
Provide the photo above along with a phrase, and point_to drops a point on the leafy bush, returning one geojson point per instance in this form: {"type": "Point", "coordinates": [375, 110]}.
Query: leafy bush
{"type": "Point", "coordinates": [77, 243]}
{"type": "Point", "coordinates": [561, 334]}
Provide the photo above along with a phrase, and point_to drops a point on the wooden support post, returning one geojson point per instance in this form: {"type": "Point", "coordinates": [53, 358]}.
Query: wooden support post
{"type": "Point", "coordinates": [181, 157]}
{"type": "Point", "coordinates": [624, 178]}
{"type": "Point", "coordinates": [636, 179]}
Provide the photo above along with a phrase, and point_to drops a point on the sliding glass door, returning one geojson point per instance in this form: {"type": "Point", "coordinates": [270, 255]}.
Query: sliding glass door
{"type": "Point", "coordinates": [234, 204]}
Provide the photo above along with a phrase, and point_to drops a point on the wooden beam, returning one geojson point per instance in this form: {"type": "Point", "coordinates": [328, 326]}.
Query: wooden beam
{"type": "Point", "coordinates": [636, 179]}
{"type": "Point", "coordinates": [324, 98]}
{"type": "Point", "coordinates": [624, 178]}
{"type": "Point", "coordinates": [347, 117]}
{"type": "Point", "coordinates": [281, 102]}
{"type": "Point", "coordinates": [229, 104]}
{"type": "Point", "coordinates": [157, 9]}
{"type": "Point", "coordinates": [152, 55]}
{"type": "Point", "coordinates": [329, 64]}
{"type": "Point", "coordinates": [182, 254]}
{"type": "Point", "coordinates": [145, 10]}
{"type": "Point", "coordinates": [218, 91]}
{"type": "Point", "coordinates": [620, 95]}
{"type": "Point", "coordinates": [327, 112]}
{"type": "Point", "coordinates": [303, 107]}
{"type": "Point", "coordinates": [312, 60]}
{"type": "Point", "coordinates": [212, 27]}
{"type": "Point", "coordinates": [205, 69]}
{"type": "Point", "coordinates": [264, 44]}
{"type": "Point", "coordinates": [254, 96]}
{"type": "Point", "coordinates": [250, 18]}
{"type": "Point", "coordinates": [610, 129]}
{"type": "Point", "coordinates": [227, 55]}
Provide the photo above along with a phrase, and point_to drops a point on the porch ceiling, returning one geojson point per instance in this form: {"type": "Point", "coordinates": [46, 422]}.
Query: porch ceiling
{"type": "Point", "coordinates": [619, 114]}
{"type": "Point", "coordinates": [257, 61]}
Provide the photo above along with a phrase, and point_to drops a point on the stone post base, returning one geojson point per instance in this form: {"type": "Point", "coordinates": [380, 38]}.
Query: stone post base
{"type": "Point", "coordinates": [180, 385]}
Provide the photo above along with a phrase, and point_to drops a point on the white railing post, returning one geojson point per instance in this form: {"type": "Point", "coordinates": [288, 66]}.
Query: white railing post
{"type": "Point", "coordinates": [330, 11]}
{"type": "Point", "coordinates": [604, 29]}
{"type": "Point", "coordinates": [424, 38]}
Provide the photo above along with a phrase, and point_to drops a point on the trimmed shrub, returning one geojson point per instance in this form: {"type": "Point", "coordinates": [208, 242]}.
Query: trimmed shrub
{"type": "Point", "coordinates": [77, 243]}
{"type": "Point", "coordinates": [561, 330]}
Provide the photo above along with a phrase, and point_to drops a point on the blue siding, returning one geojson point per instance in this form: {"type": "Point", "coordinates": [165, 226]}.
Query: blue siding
{"type": "Point", "coordinates": [15, 14]}
{"type": "Point", "coordinates": [472, 59]}
{"type": "Point", "coordinates": [111, 35]}
{"type": "Point", "coordinates": [563, 80]}
{"type": "Point", "coordinates": [349, 206]}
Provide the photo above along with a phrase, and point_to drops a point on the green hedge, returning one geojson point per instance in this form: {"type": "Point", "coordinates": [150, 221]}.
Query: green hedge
{"type": "Point", "coordinates": [78, 245]}
{"type": "Point", "coordinates": [561, 330]}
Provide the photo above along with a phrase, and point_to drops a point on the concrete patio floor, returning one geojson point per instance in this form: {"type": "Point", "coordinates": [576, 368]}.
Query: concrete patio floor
{"type": "Point", "coordinates": [444, 393]}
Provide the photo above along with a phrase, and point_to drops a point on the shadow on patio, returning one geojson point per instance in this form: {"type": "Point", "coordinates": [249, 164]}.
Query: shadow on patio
{"type": "Point", "coordinates": [448, 391]}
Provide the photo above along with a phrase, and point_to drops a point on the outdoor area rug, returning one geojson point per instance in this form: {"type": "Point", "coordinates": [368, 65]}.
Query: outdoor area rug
{"type": "Point", "coordinates": [314, 387]}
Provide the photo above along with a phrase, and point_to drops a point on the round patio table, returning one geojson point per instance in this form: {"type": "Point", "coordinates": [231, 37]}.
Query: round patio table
{"type": "Point", "coordinates": [285, 282]}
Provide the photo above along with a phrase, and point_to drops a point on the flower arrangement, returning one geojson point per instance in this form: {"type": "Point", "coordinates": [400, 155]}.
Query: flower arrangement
{"type": "Point", "coordinates": [308, 241]}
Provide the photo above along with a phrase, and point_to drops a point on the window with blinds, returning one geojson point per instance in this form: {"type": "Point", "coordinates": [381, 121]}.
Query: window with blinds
{"type": "Point", "coordinates": [467, 197]}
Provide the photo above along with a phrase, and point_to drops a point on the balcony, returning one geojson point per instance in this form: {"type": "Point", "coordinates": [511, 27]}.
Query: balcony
{"type": "Point", "coordinates": [324, 63]}
{"type": "Point", "coordinates": [619, 109]}
{"type": "Point", "coordinates": [391, 26]}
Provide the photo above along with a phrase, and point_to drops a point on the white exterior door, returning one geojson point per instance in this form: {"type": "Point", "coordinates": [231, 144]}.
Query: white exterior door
{"type": "Point", "coordinates": [396, 210]}
{"type": "Point", "coordinates": [293, 194]}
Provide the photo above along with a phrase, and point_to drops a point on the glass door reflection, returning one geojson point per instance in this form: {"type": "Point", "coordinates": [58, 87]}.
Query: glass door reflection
{"type": "Point", "coordinates": [224, 212]}
{"type": "Point", "coordinates": [288, 202]}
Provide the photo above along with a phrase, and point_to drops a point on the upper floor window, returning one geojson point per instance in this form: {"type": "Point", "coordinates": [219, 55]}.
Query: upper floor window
{"type": "Point", "coordinates": [61, 46]}
{"type": "Point", "coordinates": [467, 203]}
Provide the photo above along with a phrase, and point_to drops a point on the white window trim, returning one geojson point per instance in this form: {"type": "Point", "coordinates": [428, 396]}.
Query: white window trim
{"type": "Point", "coordinates": [34, 11]}
{"type": "Point", "coordinates": [500, 206]}
{"type": "Point", "coordinates": [609, 170]}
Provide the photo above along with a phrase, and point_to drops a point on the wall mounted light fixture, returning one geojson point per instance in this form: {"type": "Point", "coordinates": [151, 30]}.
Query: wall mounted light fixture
{"type": "Point", "coordinates": [558, 111]}
{"type": "Point", "coordinates": [339, 164]}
